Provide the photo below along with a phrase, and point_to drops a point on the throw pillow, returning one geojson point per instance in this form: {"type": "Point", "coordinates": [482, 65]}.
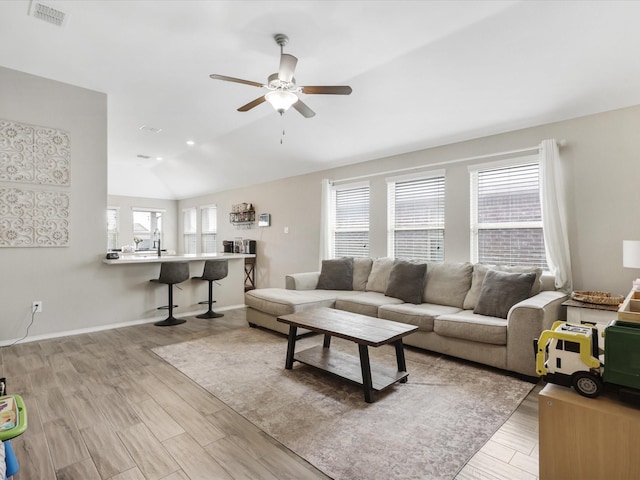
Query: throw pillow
{"type": "Point", "coordinates": [361, 271]}
{"type": "Point", "coordinates": [501, 290]}
{"type": "Point", "coordinates": [447, 283]}
{"type": "Point", "coordinates": [379, 276]}
{"type": "Point", "coordinates": [406, 281]}
{"type": "Point", "coordinates": [480, 270]}
{"type": "Point", "coordinates": [336, 274]}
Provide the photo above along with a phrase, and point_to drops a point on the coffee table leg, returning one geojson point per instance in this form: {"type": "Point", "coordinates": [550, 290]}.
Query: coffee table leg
{"type": "Point", "coordinates": [402, 365]}
{"type": "Point", "coordinates": [291, 347]}
{"type": "Point", "coordinates": [327, 341]}
{"type": "Point", "coordinates": [365, 366]}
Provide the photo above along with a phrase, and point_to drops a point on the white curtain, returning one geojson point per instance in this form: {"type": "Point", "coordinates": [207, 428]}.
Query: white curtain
{"type": "Point", "coordinates": [554, 215]}
{"type": "Point", "coordinates": [325, 209]}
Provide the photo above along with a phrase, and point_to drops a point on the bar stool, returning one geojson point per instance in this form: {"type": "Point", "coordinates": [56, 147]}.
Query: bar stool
{"type": "Point", "coordinates": [171, 273]}
{"type": "Point", "coordinates": [213, 270]}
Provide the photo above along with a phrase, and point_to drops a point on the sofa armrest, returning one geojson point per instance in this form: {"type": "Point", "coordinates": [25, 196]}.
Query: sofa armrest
{"type": "Point", "coordinates": [302, 281]}
{"type": "Point", "coordinates": [526, 321]}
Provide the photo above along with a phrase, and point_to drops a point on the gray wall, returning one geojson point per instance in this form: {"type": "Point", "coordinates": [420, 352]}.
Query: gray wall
{"type": "Point", "coordinates": [600, 162]}
{"type": "Point", "coordinates": [79, 292]}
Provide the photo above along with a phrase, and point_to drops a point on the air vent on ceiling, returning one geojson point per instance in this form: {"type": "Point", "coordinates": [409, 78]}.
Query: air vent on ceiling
{"type": "Point", "coordinates": [143, 156]}
{"type": "Point", "coordinates": [47, 13]}
{"type": "Point", "coordinates": [147, 128]}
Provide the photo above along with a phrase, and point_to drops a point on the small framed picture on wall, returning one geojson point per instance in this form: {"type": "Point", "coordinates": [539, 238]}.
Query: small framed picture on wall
{"type": "Point", "coordinates": [264, 220]}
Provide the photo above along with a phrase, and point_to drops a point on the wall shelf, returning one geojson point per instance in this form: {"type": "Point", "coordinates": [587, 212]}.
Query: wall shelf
{"type": "Point", "coordinates": [242, 216]}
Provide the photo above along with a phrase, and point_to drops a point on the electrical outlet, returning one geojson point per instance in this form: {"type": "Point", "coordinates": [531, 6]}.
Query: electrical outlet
{"type": "Point", "coordinates": [37, 306]}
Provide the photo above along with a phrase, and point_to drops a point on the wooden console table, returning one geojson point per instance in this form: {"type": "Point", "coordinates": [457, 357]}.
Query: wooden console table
{"type": "Point", "coordinates": [587, 438]}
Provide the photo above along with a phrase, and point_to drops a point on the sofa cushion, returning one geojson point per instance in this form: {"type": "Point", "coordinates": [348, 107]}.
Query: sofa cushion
{"type": "Point", "coordinates": [501, 290]}
{"type": "Point", "coordinates": [366, 303]}
{"type": "Point", "coordinates": [470, 326]}
{"type": "Point", "coordinates": [480, 270]}
{"type": "Point", "coordinates": [406, 281]}
{"type": "Point", "coordinates": [379, 276]}
{"type": "Point", "coordinates": [279, 301]}
{"type": "Point", "coordinates": [447, 283]}
{"type": "Point", "coordinates": [336, 274]}
{"type": "Point", "coordinates": [421, 316]}
{"type": "Point", "coordinates": [361, 271]}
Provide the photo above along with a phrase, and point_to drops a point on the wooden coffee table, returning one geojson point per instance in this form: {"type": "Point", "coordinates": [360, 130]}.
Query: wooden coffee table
{"type": "Point", "coordinates": [361, 329]}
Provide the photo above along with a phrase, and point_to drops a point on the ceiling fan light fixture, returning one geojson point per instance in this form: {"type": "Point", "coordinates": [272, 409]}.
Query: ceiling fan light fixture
{"type": "Point", "coordinates": [281, 100]}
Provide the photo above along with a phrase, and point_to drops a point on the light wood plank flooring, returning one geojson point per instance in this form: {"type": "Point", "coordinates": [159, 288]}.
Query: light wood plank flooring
{"type": "Point", "coordinates": [103, 406]}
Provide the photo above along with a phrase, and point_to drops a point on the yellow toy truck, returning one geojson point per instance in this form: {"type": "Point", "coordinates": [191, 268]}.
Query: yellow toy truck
{"type": "Point", "coordinates": [571, 355]}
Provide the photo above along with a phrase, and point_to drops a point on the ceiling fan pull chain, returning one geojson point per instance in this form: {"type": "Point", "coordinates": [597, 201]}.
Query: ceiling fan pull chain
{"type": "Point", "coordinates": [282, 124]}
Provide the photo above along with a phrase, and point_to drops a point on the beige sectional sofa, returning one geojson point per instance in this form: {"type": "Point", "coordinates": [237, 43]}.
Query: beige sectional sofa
{"type": "Point", "coordinates": [449, 315]}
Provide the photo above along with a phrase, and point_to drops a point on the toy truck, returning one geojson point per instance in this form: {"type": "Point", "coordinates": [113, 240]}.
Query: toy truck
{"type": "Point", "coordinates": [571, 355]}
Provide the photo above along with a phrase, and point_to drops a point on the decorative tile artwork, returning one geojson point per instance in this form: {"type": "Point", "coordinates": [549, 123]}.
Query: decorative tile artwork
{"type": "Point", "coordinates": [33, 217]}
{"type": "Point", "coordinates": [33, 154]}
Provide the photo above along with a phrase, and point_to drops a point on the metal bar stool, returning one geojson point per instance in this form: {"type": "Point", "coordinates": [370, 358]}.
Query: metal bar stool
{"type": "Point", "coordinates": [213, 270]}
{"type": "Point", "coordinates": [171, 273]}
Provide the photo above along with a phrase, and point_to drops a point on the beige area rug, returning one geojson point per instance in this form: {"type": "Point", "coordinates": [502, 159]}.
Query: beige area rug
{"type": "Point", "coordinates": [427, 428]}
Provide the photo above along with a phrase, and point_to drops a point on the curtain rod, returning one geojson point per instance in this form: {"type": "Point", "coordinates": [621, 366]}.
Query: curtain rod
{"type": "Point", "coordinates": [561, 143]}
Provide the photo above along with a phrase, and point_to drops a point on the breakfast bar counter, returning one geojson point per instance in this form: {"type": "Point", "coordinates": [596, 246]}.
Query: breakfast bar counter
{"type": "Point", "coordinates": [127, 258]}
{"type": "Point", "coordinates": [134, 270]}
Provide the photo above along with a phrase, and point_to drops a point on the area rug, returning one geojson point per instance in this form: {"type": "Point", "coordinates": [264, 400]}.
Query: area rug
{"type": "Point", "coordinates": [427, 428]}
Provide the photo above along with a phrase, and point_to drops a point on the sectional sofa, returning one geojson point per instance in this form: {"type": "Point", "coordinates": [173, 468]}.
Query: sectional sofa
{"type": "Point", "coordinates": [486, 314]}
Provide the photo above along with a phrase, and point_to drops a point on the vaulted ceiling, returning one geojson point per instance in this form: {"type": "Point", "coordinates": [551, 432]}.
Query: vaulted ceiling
{"type": "Point", "coordinates": [423, 73]}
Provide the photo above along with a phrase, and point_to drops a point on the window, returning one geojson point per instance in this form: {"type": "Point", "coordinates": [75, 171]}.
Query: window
{"type": "Point", "coordinates": [189, 230]}
{"type": "Point", "coordinates": [112, 228]}
{"type": "Point", "coordinates": [416, 217]}
{"type": "Point", "coordinates": [209, 219]}
{"type": "Point", "coordinates": [349, 222]}
{"type": "Point", "coordinates": [506, 219]}
{"type": "Point", "coordinates": [147, 225]}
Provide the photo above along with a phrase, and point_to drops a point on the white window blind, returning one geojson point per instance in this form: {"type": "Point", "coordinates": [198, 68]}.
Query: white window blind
{"type": "Point", "coordinates": [189, 230]}
{"type": "Point", "coordinates": [506, 219]}
{"type": "Point", "coordinates": [416, 217]}
{"type": "Point", "coordinates": [350, 221]}
{"type": "Point", "coordinates": [112, 228]}
{"type": "Point", "coordinates": [209, 221]}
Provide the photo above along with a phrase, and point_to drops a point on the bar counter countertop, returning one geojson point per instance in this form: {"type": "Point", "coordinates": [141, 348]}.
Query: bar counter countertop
{"type": "Point", "coordinates": [129, 258]}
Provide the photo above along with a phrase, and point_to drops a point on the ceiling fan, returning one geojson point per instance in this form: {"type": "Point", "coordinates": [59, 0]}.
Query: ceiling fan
{"type": "Point", "coordinates": [283, 91]}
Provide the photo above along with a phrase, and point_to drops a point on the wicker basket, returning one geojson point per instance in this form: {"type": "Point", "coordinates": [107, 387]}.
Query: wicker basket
{"type": "Point", "coordinates": [600, 298]}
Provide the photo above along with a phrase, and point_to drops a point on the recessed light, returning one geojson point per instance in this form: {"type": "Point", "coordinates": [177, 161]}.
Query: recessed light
{"type": "Point", "coordinates": [159, 159]}
{"type": "Point", "coordinates": [190, 142]}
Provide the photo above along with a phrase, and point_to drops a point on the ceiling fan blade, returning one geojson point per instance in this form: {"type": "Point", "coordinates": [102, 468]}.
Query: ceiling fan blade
{"type": "Point", "coordinates": [287, 67]}
{"type": "Point", "coordinates": [339, 90]}
{"type": "Point", "coordinates": [235, 80]}
{"type": "Point", "coordinates": [303, 109]}
{"type": "Point", "coordinates": [252, 104]}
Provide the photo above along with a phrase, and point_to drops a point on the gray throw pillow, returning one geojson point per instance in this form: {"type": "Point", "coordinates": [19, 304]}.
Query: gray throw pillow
{"type": "Point", "coordinates": [501, 290]}
{"type": "Point", "coordinates": [406, 281]}
{"type": "Point", "coordinates": [336, 274]}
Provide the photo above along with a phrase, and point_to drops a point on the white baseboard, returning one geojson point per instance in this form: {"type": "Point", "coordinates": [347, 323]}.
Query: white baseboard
{"type": "Point", "coordinates": [110, 326]}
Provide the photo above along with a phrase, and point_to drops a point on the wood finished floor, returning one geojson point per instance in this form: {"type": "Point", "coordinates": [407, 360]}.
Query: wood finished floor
{"type": "Point", "coordinates": [103, 406]}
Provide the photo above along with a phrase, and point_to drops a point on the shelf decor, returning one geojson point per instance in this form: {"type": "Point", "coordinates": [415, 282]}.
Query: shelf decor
{"type": "Point", "coordinates": [242, 215]}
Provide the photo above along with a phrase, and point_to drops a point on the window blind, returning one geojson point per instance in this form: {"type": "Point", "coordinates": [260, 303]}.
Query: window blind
{"type": "Point", "coordinates": [112, 228]}
{"type": "Point", "coordinates": [209, 220]}
{"type": "Point", "coordinates": [350, 208]}
{"type": "Point", "coordinates": [189, 230]}
{"type": "Point", "coordinates": [416, 218]}
{"type": "Point", "coordinates": [506, 216]}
